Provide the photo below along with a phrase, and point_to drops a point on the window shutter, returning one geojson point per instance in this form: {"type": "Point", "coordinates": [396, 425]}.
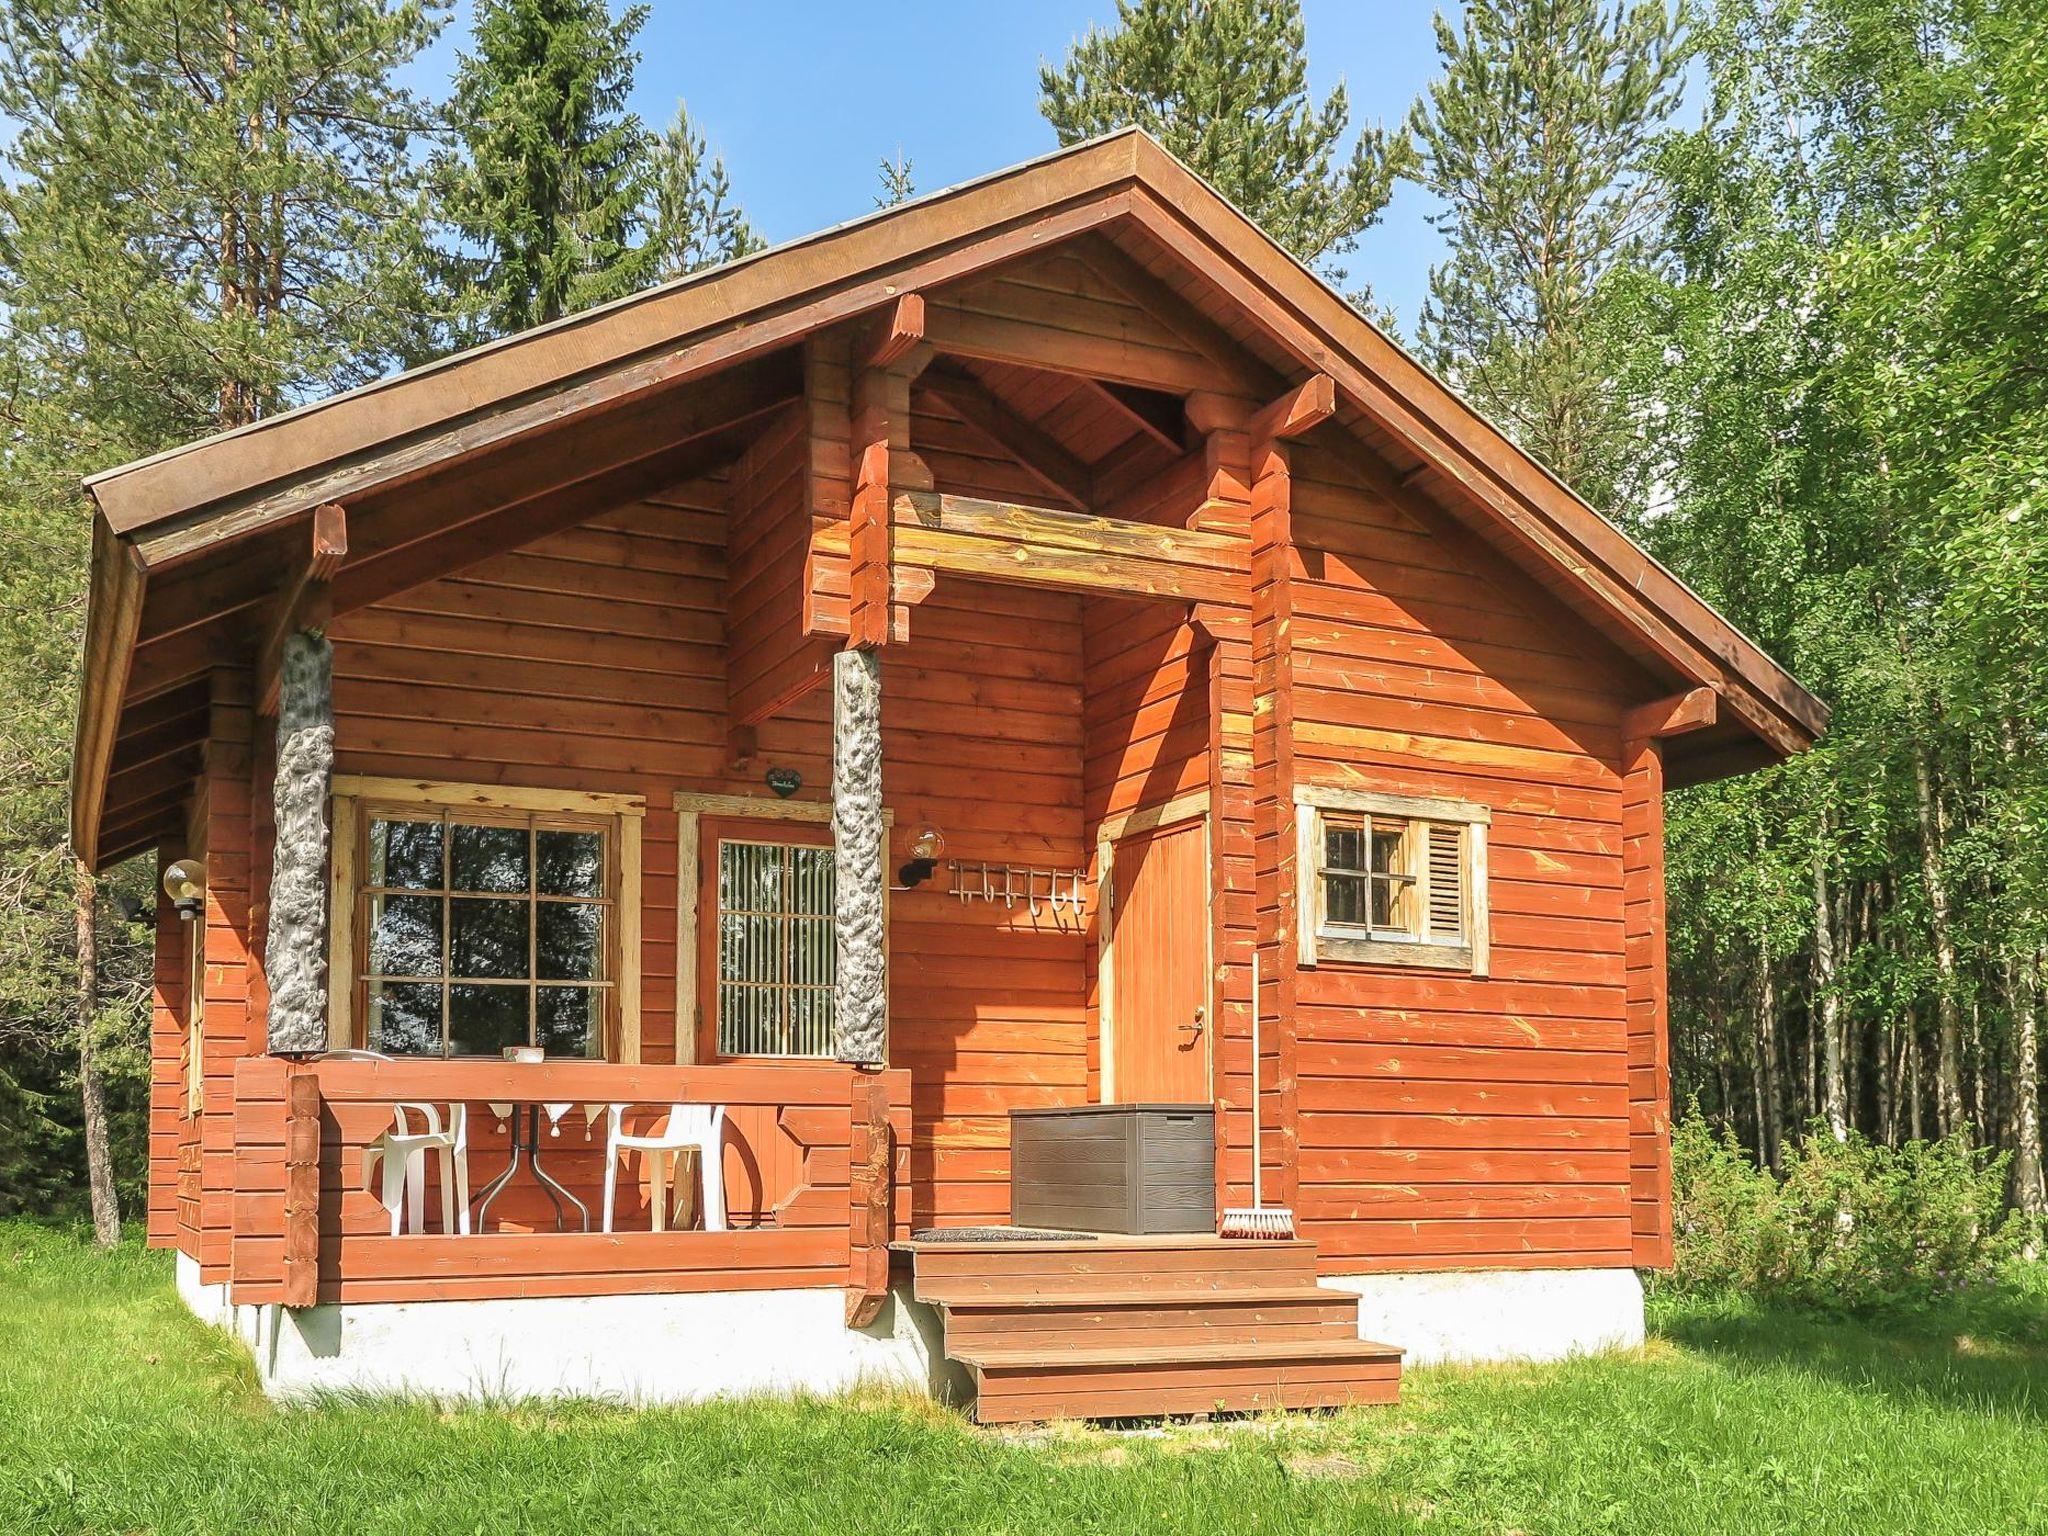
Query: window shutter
{"type": "Point", "coordinates": [1446, 881]}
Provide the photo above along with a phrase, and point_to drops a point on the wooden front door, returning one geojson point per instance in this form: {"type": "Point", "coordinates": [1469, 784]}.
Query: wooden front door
{"type": "Point", "coordinates": [1159, 995]}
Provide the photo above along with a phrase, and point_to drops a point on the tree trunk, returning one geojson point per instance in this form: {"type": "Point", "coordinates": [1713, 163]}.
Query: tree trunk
{"type": "Point", "coordinates": [99, 1155]}
{"type": "Point", "coordinates": [1767, 1060]}
{"type": "Point", "coordinates": [2024, 980]}
{"type": "Point", "coordinates": [1826, 1015]}
{"type": "Point", "coordinates": [1950, 1115]}
{"type": "Point", "coordinates": [1915, 1124]}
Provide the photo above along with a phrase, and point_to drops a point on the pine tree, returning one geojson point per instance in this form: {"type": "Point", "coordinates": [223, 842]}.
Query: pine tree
{"type": "Point", "coordinates": [1224, 85]}
{"type": "Point", "coordinates": [1537, 139]}
{"type": "Point", "coordinates": [696, 223]}
{"type": "Point", "coordinates": [202, 217]}
{"type": "Point", "coordinates": [552, 183]}
{"type": "Point", "coordinates": [897, 187]}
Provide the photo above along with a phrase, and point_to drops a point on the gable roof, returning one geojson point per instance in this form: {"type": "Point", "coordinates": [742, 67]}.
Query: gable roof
{"type": "Point", "coordinates": [205, 507]}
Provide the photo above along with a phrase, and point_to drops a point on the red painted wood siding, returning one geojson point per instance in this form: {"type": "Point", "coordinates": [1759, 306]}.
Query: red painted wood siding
{"type": "Point", "coordinates": [1448, 1121]}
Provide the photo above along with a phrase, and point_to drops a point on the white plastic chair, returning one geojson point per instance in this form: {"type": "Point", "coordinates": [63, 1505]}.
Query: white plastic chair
{"type": "Point", "coordinates": [689, 1127]}
{"type": "Point", "coordinates": [403, 1152]}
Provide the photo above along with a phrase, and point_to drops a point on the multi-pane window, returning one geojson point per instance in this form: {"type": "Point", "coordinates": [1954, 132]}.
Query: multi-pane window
{"type": "Point", "coordinates": [479, 933]}
{"type": "Point", "coordinates": [1392, 879]}
{"type": "Point", "coordinates": [775, 949]}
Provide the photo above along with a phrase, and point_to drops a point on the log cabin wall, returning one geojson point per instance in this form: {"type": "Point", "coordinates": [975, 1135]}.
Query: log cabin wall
{"type": "Point", "coordinates": [167, 1022]}
{"type": "Point", "coordinates": [596, 660]}
{"type": "Point", "coordinates": [218, 831]}
{"type": "Point", "coordinates": [1448, 1121]}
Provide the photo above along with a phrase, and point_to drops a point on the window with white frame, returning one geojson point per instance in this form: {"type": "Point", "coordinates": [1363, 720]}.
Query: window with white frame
{"type": "Point", "coordinates": [1392, 879]}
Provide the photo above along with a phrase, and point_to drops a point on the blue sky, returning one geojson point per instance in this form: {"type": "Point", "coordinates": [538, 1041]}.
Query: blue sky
{"type": "Point", "coordinates": [805, 97]}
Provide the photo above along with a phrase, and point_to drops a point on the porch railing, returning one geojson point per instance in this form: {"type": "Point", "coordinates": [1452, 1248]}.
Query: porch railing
{"type": "Point", "coordinates": [809, 1193]}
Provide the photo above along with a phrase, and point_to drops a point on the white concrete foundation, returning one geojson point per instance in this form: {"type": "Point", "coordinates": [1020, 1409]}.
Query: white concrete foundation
{"type": "Point", "coordinates": [1493, 1315]}
{"type": "Point", "coordinates": [633, 1349]}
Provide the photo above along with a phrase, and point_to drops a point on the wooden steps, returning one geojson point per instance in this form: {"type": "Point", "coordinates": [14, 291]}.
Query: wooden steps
{"type": "Point", "coordinates": [1135, 1327]}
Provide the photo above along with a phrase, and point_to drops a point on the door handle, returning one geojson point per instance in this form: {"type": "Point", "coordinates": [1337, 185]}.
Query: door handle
{"type": "Point", "coordinates": [1197, 1024]}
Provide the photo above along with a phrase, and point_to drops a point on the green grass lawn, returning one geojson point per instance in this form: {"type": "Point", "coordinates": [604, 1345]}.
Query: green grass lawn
{"type": "Point", "coordinates": [119, 1412]}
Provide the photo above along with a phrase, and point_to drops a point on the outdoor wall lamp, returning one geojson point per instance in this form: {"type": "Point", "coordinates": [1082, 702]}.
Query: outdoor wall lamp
{"type": "Point", "coordinates": [927, 847]}
{"type": "Point", "coordinates": [185, 884]}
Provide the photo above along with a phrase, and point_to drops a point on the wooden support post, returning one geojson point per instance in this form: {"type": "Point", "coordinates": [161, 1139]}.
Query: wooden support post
{"type": "Point", "coordinates": [296, 952]}
{"type": "Point", "coordinates": [870, 1184]}
{"type": "Point", "coordinates": [859, 846]}
{"type": "Point", "coordinates": [307, 601]}
{"type": "Point", "coordinates": [1645, 1002]}
{"type": "Point", "coordinates": [301, 1185]}
{"type": "Point", "coordinates": [1273, 780]}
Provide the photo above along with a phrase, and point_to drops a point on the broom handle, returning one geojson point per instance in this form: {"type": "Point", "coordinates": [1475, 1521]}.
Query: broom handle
{"type": "Point", "coordinates": [1258, 1172]}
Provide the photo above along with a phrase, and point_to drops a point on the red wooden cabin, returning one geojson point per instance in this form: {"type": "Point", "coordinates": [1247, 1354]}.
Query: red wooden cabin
{"type": "Point", "coordinates": [1213, 637]}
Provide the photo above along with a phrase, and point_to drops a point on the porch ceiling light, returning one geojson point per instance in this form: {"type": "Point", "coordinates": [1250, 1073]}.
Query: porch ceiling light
{"type": "Point", "coordinates": [927, 847]}
{"type": "Point", "coordinates": [185, 884]}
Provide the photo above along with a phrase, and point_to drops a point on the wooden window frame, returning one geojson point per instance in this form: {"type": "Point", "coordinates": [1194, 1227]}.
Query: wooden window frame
{"type": "Point", "coordinates": [694, 1043]}
{"type": "Point", "coordinates": [357, 799]}
{"type": "Point", "coordinates": [1322, 943]}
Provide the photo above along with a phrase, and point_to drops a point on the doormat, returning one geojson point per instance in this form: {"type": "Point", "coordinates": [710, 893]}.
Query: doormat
{"type": "Point", "coordinates": [997, 1235]}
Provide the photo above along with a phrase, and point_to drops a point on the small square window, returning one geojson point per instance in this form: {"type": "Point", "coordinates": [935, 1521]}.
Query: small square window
{"type": "Point", "coordinates": [1388, 879]}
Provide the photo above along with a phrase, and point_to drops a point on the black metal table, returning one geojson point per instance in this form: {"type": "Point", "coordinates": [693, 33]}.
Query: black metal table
{"type": "Point", "coordinates": [527, 1117]}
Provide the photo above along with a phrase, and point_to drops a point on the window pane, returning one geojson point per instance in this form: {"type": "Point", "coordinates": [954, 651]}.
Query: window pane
{"type": "Point", "coordinates": [1344, 900]}
{"type": "Point", "coordinates": [571, 1021]}
{"type": "Point", "coordinates": [487, 938]}
{"type": "Point", "coordinates": [811, 880]}
{"type": "Point", "coordinates": [775, 960]}
{"type": "Point", "coordinates": [405, 937]}
{"type": "Point", "coordinates": [482, 1021]}
{"type": "Point", "coordinates": [568, 935]}
{"type": "Point", "coordinates": [571, 863]}
{"type": "Point", "coordinates": [487, 858]}
{"type": "Point", "coordinates": [1383, 904]}
{"type": "Point", "coordinates": [405, 1018]}
{"type": "Point", "coordinates": [1387, 844]}
{"type": "Point", "coordinates": [1343, 846]}
{"type": "Point", "coordinates": [406, 853]}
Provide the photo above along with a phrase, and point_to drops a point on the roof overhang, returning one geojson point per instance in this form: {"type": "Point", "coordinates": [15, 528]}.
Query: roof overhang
{"type": "Point", "coordinates": [213, 500]}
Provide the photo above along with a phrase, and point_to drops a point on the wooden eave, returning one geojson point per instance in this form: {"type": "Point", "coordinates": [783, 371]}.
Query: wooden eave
{"type": "Point", "coordinates": [211, 518]}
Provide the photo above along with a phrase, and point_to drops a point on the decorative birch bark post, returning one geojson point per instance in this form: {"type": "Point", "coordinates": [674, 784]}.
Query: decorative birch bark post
{"type": "Point", "coordinates": [295, 951]}
{"type": "Point", "coordinates": [858, 856]}
{"type": "Point", "coordinates": [860, 933]}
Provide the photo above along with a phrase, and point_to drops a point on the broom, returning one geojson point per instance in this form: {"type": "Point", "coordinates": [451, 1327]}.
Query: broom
{"type": "Point", "coordinates": [1272, 1222]}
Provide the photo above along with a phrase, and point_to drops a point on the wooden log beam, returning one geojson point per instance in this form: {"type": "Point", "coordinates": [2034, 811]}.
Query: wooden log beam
{"type": "Point", "coordinates": [869, 1186]}
{"type": "Point", "coordinates": [1274, 852]}
{"type": "Point", "coordinates": [881, 411]}
{"type": "Point", "coordinates": [1693, 710]}
{"type": "Point", "coordinates": [114, 617]}
{"type": "Point", "coordinates": [306, 603]}
{"type": "Point", "coordinates": [1306, 405]}
{"type": "Point", "coordinates": [892, 338]}
{"type": "Point", "coordinates": [1067, 551]}
{"type": "Point", "coordinates": [1010, 339]}
{"type": "Point", "coordinates": [301, 1185]}
{"type": "Point", "coordinates": [1034, 450]}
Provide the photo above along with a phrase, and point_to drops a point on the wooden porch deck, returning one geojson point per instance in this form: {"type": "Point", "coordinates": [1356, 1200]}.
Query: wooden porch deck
{"type": "Point", "coordinates": [1117, 1327]}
